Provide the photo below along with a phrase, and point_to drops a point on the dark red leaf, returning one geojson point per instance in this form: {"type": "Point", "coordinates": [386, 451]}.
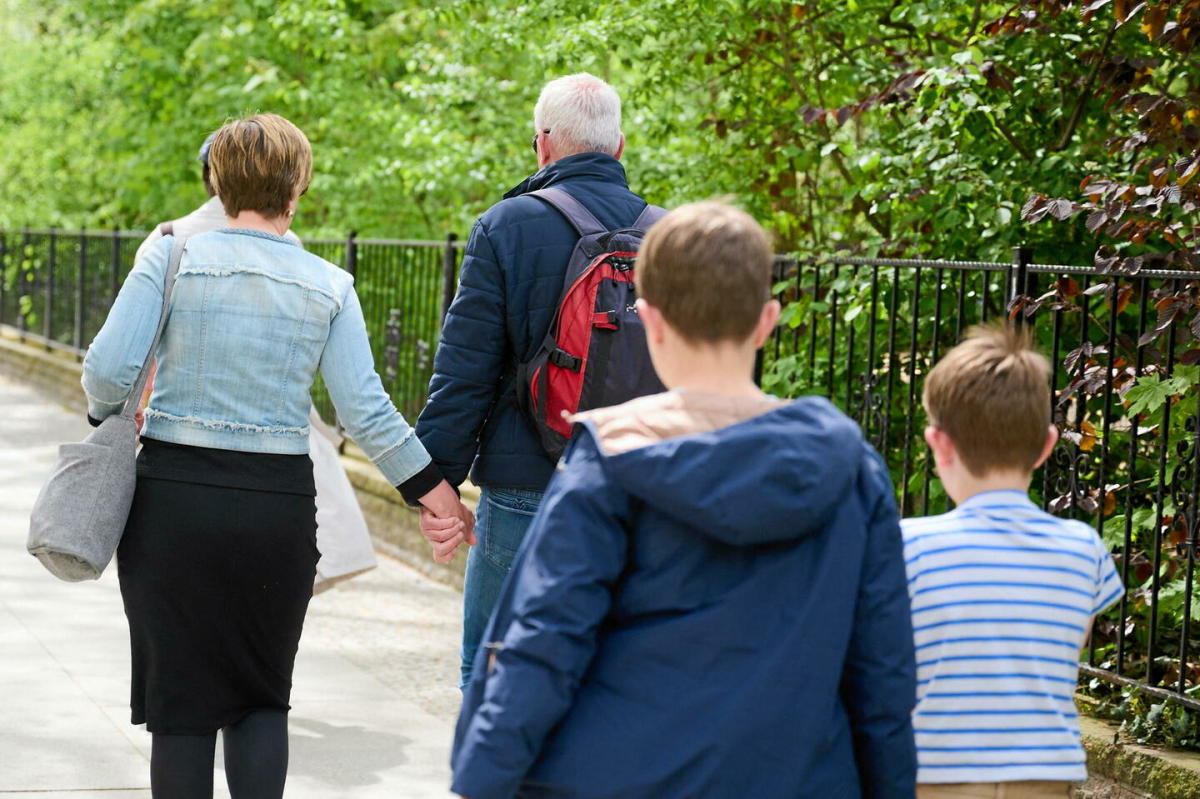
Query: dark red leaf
{"type": "Point", "coordinates": [1096, 220]}
{"type": "Point", "coordinates": [811, 114]}
{"type": "Point", "coordinates": [1067, 287]}
{"type": "Point", "coordinates": [995, 79]}
{"type": "Point", "coordinates": [843, 114]}
{"type": "Point", "coordinates": [1190, 357]}
{"type": "Point", "coordinates": [1074, 356]}
{"type": "Point", "coordinates": [1032, 204]}
{"type": "Point", "coordinates": [1169, 308]}
{"type": "Point", "coordinates": [1129, 14]}
{"type": "Point", "coordinates": [1154, 19]}
{"type": "Point", "coordinates": [1105, 259]}
{"type": "Point", "coordinates": [1062, 209]}
{"type": "Point", "coordinates": [1017, 304]}
{"type": "Point", "coordinates": [1124, 294]}
{"type": "Point", "coordinates": [1091, 8]}
{"type": "Point", "coordinates": [1059, 504]}
{"type": "Point", "coordinates": [1131, 266]}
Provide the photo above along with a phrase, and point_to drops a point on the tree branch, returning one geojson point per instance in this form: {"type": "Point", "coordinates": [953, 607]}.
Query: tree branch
{"type": "Point", "coordinates": [976, 15]}
{"type": "Point", "coordinates": [1085, 94]}
{"type": "Point", "coordinates": [1010, 138]}
{"type": "Point", "coordinates": [882, 226]}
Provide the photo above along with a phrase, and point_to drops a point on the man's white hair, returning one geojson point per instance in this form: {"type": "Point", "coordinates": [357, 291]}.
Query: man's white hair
{"type": "Point", "coordinates": [582, 113]}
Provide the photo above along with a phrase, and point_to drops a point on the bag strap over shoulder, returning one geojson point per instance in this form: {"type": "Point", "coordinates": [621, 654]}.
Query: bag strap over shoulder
{"type": "Point", "coordinates": [135, 396]}
{"type": "Point", "coordinates": [649, 215]}
{"type": "Point", "coordinates": [584, 222]}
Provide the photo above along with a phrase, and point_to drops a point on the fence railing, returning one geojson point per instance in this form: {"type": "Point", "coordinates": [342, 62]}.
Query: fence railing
{"type": "Point", "coordinates": [56, 288]}
{"type": "Point", "coordinates": [864, 332]}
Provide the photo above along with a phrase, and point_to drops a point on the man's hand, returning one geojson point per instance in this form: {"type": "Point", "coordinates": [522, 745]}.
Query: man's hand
{"type": "Point", "coordinates": [139, 417]}
{"type": "Point", "coordinates": [445, 534]}
{"type": "Point", "coordinates": [446, 522]}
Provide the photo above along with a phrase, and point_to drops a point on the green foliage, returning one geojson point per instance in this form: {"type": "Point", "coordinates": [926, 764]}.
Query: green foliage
{"type": "Point", "coordinates": [408, 139]}
{"type": "Point", "coordinates": [872, 125]}
{"type": "Point", "coordinates": [1150, 392]}
{"type": "Point", "coordinates": [1143, 719]}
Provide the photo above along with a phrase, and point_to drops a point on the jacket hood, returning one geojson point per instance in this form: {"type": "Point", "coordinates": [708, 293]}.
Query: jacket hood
{"type": "Point", "coordinates": [777, 476]}
{"type": "Point", "coordinates": [585, 166]}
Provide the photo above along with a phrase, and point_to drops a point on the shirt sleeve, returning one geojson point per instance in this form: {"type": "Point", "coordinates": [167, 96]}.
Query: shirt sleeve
{"type": "Point", "coordinates": [469, 362]}
{"type": "Point", "coordinates": [911, 565]}
{"type": "Point", "coordinates": [1109, 587]}
{"type": "Point", "coordinates": [561, 592]}
{"type": "Point", "coordinates": [114, 359]}
{"type": "Point", "coordinates": [363, 406]}
{"type": "Point", "coordinates": [878, 685]}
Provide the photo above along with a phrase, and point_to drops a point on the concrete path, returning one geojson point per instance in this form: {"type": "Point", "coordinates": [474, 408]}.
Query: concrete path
{"type": "Point", "coordinates": [374, 697]}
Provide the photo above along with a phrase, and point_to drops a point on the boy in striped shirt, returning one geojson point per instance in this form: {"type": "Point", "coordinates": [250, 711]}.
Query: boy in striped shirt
{"type": "Point", "coordinates": [1003, 594]}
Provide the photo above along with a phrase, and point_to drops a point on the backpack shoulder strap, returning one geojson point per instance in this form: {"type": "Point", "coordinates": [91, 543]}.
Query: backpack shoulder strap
{"type": "Point", "coordinates": [649, 215]}
{"type": "Point", "coordinates": [584, 222]}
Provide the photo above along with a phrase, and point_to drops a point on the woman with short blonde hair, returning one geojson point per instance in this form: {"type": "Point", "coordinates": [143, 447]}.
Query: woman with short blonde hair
{"type": "Point", "coordinates": [218, 558]}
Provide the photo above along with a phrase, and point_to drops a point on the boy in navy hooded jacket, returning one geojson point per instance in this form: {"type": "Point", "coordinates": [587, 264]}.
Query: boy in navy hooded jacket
{"type": "Point", "coordinates": [712, 601]}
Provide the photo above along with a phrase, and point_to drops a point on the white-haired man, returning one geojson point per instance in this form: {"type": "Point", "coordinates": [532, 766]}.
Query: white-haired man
{"type": "Point", "coordinates": [512, 276]}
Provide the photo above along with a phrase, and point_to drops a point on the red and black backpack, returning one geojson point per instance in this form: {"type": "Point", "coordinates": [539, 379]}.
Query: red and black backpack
{"type": "Point", "coordinates": [595, 354]}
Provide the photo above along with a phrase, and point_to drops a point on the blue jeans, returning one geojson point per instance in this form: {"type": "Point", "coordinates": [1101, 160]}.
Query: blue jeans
{"type": "Point", "coordinates": [503, 519]}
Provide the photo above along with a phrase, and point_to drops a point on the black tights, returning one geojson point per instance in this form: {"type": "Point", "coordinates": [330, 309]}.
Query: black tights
{"type": "Point", "coordinates": [256, 757]}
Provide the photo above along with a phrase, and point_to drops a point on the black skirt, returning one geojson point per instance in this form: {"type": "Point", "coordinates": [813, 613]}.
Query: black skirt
{"type": "Point", "coordinates": [216, 569]}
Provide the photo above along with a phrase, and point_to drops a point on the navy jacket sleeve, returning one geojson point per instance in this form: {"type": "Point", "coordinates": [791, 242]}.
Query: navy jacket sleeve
{"type": "Point", "coordinates": [564, 577]}
{"type": "Point", "coordinates": [879, 679]}
{"type": "Point", "coordinates": [469, 361]}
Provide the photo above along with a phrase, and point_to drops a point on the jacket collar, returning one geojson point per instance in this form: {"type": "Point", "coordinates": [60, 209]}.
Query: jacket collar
{"type": "Point", "coordinates": [262, 234]}
{"type": "Point", "coordinates": [594, 166]}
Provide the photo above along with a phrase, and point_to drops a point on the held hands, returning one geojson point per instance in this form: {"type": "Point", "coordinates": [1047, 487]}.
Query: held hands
{"type": "Point", "coordinates": [446, 522]}
{"type": "Point", "coordinates": [139, 417]}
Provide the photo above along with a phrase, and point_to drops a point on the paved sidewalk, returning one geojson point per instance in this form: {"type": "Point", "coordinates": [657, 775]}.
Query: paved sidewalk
{"type": "Point", "coordinates": [374, 696]}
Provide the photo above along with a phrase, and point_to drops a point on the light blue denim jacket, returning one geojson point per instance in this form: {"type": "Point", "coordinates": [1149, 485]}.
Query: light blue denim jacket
{"type": "Point", "coordinates": [252, 318]}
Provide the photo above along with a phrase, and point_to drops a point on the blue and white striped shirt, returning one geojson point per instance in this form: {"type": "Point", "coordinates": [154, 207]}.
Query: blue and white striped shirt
{"type": "Point", "coordinates": [1003, 596]}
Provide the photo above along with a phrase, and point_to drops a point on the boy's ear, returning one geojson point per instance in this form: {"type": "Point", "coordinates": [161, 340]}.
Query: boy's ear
{"type": "Point", "coordinates": [940, 444]}
{"type": "Point", "coordinates": [1048, 447]}
{"type": "Point", "coordinates": [768, 318]}
{"type": "Point", "coordinates": [652, 320]}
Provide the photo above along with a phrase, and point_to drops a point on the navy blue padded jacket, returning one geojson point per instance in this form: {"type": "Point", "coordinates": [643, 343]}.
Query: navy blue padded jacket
{"type": "Point", "coordinates": [722, 614]}
{"type": "Point", "coordinates": [509, 286]}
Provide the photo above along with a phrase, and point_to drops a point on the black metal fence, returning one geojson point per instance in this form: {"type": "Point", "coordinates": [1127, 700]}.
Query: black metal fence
{"type": "Point", "coordinates": [56, 288]}
{"type": "Point", "coordinates": [864, 332]}
{"type": "Point", "coordinates": [1126, 397]}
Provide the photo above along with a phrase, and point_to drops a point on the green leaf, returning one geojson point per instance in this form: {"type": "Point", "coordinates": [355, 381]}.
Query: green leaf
{"type": "Point", "coordinates": [1148, 395]}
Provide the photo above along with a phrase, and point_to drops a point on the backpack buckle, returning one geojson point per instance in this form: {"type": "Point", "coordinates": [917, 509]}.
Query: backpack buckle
{"type": "Point", "coordinates": [622, 263]}
{"type": "Point", "coordinates": [607, 320]}
{"type": "Point", "coordinates": [565, 360]}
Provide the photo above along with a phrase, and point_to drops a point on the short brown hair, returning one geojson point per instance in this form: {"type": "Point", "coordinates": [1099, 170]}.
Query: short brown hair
{"type": "Point", "coordinates": [260, 163]}
{"type": "Point", "coordinates": [707, 268]}
{"type": "Point", "coordinates": [991, 395]}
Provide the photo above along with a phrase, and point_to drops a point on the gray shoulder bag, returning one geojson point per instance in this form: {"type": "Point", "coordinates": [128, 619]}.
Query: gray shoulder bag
{"type": "Point", "coordinates": [80, 514]}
